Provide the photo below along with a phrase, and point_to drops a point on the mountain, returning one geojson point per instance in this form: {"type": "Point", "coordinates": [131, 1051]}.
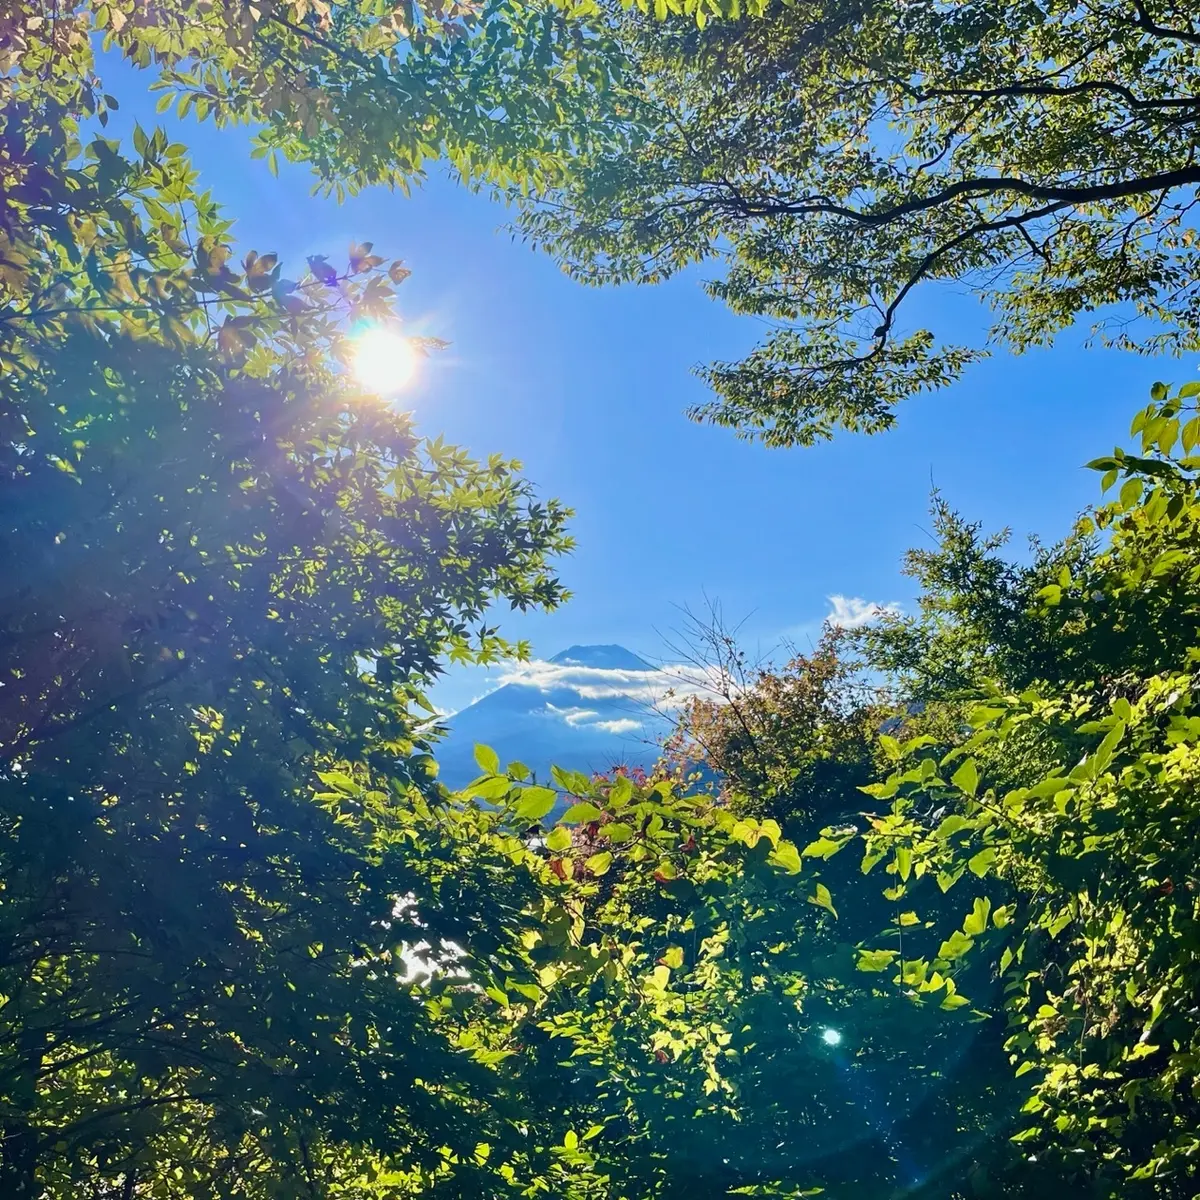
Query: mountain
{"type": "Point", "coordinates": [587, 709]}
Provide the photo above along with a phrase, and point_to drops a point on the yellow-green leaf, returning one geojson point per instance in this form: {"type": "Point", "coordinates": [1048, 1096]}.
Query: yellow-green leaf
{"type": "Point", "coordinates": [598, 864]}
{"type": "Point", "coordinates": [487, 758]}
{"type": "Point", "coordinates": [535, 802]}
{"type": "Point", "coordinates": [823, 899]}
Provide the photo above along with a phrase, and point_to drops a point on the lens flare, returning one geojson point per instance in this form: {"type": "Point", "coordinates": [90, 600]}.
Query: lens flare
{"type": "Point", "coordinates": [383, 360]}
{"type": "Point", "coordinates": [831, 1037]}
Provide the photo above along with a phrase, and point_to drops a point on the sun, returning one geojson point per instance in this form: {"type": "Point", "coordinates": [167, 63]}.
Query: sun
{"type": "Point", "coordinates": [382, 360]}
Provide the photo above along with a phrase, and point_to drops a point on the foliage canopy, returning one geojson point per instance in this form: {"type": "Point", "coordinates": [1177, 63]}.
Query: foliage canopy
{"type": "Point", "coordinates": [228, 571]}
{"type": "Point", "coordinates": [837, 155]}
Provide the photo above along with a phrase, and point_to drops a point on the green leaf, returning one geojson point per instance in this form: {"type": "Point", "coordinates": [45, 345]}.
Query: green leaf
{"type": "Point", "coordinates": [1060, 922]}
{"type": "Point", "coordinates": [340, 781]}
{"type": "Point", "coordinates": [952, 824]}
{"type": "Point", "coordinates": [966, 778]}
{"type": "Point", "coordinates": [1131, 492]}
{"type": "Point", "coordinates": [490, 789]}
{"type": "Point", "coordinates": [488, 759]}
{"type": "Point", "coordinates": [823, 899]}
{"type": "Point", "coordinates": [876, 960]}
{"type": "Point", "coordinates": [558, 839]}
{"type": "Point", "coordinates": [621, 791]}
{"type": "Point", "coordinates": [572, 782]}
{"type": "Point", "coordinates": [984, 714]}
{"type": "Point", "coordinates": [977, 919]}
{"type": "Point", "coordinates": [1190, 436]}
{"type": "Point", "coordinates": [582, 812]}
{"type": "Point", "coordinates": [823, 847]}
{"type": "Point", "coordinates": [786, 856]}
{"type": "Point", "coordinates": [1167, 561]}
{"type": "Point", "coordinates": [904, 861]}
{"type": "Point", "coordinates": [598, 864]}
{"type": "Point", "coordinates": [955, 946]}
{"type": "Point", "coordinates": [881, 791]}
{"type": "Point", "coordinates": [535, 802]}
{"type": "Point", "coordinates": [947, 879]}
{"type": "Point", "coordinates": [673, 957]}
{"type": "Point", "coordinates": [871, 859]}
{"type": "Point", "coordinates": [981, 863]}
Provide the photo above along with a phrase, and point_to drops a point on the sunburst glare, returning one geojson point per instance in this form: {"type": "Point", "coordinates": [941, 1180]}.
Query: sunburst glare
{"type": "Point", "coordinates": [383, 360]}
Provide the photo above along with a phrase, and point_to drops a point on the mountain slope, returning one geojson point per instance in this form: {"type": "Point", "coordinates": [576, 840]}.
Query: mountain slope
{"type": "Point", "coordinates": [588, 709]}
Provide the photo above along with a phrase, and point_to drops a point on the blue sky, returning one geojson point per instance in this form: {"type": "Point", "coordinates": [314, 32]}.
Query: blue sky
{"type": "Point", "coordinates": [587, 387]}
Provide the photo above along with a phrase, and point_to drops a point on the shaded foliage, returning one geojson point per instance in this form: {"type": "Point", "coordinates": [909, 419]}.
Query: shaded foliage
{"type": "Point", "coordinates": [1070, 794]}
{"type": "Point", "coordinates": [228, 571]}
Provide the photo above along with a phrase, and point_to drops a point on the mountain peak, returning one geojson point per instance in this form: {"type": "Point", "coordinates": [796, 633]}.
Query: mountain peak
{"type": "Point", "coordinates": [607, 658]}
{"type": "Point", "coordinates": [587, 708]}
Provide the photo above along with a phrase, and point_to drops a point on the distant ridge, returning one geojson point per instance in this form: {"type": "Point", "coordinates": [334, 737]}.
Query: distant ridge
{"type": "Point", "coordinates": [584, 709]}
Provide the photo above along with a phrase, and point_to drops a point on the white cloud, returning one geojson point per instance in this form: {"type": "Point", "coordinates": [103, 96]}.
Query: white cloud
{"type": "Point", "coordinates": [853, 612]}
{"type": "Point", "coordinates": [625, 725]}
{"type": "Point", "coordinates": [573, 716]}
{"type": "Point", "coordinates": [657, 687]}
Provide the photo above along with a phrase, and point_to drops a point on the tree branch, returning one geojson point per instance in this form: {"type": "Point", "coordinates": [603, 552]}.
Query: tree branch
{"type": "Point", "coordinates": [1084, 87]}
{"type": "Point", "coordinates": [981, 186]}
{"type": "Point", "coordinates": [1150, 25]}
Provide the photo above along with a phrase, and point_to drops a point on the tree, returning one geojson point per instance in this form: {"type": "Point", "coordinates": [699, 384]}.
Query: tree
{"type": "Point", "coordinates": [230, 576]}
{"type": "Point", "coordinates": [1070, 796]}
{"type": "Point", "coordinates": [837, 156]}
{"type": "Point", "coordinates": [792, 743]}
{"type": "Point", "coordinates": [367, 93]}
{"type": "Point", "coordinates": [914, 1096]}
{"type": "Point", "coordinates": [662, 908]}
